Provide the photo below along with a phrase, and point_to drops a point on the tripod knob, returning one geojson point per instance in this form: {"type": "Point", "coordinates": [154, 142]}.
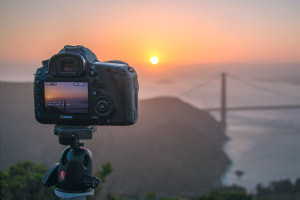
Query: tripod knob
{"type": "Point", "coordinates": [50, 177]}
{"type": "Point", "coordinates": [91, 182]}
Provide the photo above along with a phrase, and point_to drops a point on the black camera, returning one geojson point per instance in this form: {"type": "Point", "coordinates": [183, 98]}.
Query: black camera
{"type": "Point", "coordinates": [74, 88]}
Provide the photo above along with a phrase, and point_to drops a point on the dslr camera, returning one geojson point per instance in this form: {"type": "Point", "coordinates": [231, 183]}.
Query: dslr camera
{"type": "Point", "coordinates": [74, 88]}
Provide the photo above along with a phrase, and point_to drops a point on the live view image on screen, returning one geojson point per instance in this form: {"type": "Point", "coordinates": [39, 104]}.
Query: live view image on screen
{"type": "Point", "coordinates": [66, 97]}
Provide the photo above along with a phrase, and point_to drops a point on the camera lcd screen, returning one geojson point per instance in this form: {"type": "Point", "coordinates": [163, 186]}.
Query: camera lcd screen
{"type": "Point", "coordinates": [66, 97]}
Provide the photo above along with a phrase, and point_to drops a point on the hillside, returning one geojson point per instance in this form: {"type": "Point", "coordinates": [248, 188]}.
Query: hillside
{"type": "Point", "coordinates": [174, 148]}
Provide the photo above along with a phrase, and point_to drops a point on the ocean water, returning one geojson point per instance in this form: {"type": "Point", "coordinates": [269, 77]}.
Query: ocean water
{"type": "Point", "coordinates": [263, 144]}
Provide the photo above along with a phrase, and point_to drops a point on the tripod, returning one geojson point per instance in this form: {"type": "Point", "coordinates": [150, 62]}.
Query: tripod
{"type": "Point", "coordinates": [72, 176]}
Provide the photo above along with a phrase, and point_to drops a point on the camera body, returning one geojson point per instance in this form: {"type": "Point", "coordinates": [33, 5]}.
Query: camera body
{"type": "Point", "coordinates": [74, 88]}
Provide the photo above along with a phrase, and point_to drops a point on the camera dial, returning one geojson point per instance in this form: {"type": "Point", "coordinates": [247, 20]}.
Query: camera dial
{"type": "Point", "coordinates": [103, 107]}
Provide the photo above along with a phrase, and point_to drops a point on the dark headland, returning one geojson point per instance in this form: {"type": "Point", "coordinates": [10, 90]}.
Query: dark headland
{"type": "Point", "coordinates": [174, 148]}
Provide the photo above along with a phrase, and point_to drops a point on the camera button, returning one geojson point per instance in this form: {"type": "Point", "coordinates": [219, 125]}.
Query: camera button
{"type": "Point", "coordinates": [38, 112]}
{"type": "Point", "coordinates": [37, 90]}
{"type": "Point", "coordinates": [39, 72]}
{"type": "Point", "coordinates": [92, 73]}
{"type": "Point", "coordinates": [130, 69]}
{"type": "Point", "coordinates": [102, 107]}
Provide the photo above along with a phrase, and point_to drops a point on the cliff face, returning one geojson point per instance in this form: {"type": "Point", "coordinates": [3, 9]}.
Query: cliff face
{"type": "Point", "coordinates": [174, 148]}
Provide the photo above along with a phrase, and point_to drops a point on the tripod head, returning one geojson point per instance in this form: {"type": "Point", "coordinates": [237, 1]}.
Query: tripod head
{"type": "Point", "coordinates": [72, 176]}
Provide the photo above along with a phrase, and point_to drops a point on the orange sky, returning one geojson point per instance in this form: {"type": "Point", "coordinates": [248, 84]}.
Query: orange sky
{"type": "Point", "coordinates": [177, 32]}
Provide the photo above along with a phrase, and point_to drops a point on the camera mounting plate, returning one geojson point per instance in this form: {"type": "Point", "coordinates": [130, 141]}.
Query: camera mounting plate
{"type": "Point", "coordinates": [70, 135]}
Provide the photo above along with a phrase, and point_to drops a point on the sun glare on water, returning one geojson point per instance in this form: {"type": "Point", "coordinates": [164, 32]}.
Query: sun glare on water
{"type": "Point", "coordinates": [154, 60]}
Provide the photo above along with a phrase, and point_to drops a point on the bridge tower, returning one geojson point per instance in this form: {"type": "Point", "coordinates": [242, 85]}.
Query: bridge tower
{"type": "Point", "coordinates": [223, 100]}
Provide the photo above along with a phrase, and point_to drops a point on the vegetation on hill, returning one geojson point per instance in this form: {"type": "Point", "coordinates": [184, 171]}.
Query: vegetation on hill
{"type": "Point", "coordinates": [279, 190]}
{"type": "Point", "coordinates": [23, 181]}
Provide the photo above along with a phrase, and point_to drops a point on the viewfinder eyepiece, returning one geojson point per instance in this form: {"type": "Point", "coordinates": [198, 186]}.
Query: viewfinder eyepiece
{"type": "Point", "coordinates": [66, 65]}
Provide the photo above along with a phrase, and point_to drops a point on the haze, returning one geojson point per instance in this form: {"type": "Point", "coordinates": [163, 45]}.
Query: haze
{"type": "Point", "coordinates": [179, 33]}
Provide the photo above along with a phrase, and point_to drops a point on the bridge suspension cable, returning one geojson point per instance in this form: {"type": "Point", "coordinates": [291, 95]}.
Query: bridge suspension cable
{"type": "Point", "coordinates": [247, 82]}
{"type": "Point", "coordinates": [201, 84]}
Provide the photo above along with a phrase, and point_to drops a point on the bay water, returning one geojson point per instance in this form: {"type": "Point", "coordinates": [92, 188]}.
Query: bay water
{"type": "Point", "coordinates": [263, 144]}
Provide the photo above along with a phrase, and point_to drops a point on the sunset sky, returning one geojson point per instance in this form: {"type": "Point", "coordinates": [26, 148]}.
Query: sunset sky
{"type": "Point", "coordinates": [65, 90]}
{"type": "Point", "coordinates": [177, 32]}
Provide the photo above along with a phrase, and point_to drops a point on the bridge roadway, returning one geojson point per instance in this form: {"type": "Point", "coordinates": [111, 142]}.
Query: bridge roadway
{"type": "Point", "coordinates": [241, 108]}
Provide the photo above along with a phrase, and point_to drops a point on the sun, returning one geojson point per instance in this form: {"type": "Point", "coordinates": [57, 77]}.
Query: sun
{"type": "Point", "coordinates": [154, 60]}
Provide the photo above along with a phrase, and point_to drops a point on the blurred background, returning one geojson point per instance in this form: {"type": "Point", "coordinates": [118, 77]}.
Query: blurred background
{"type": "Point", "coordinates": [178, 147]}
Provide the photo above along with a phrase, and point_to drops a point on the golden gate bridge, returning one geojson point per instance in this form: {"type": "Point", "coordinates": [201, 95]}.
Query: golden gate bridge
{"type": "Point", "coordinates": [223, 109]}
